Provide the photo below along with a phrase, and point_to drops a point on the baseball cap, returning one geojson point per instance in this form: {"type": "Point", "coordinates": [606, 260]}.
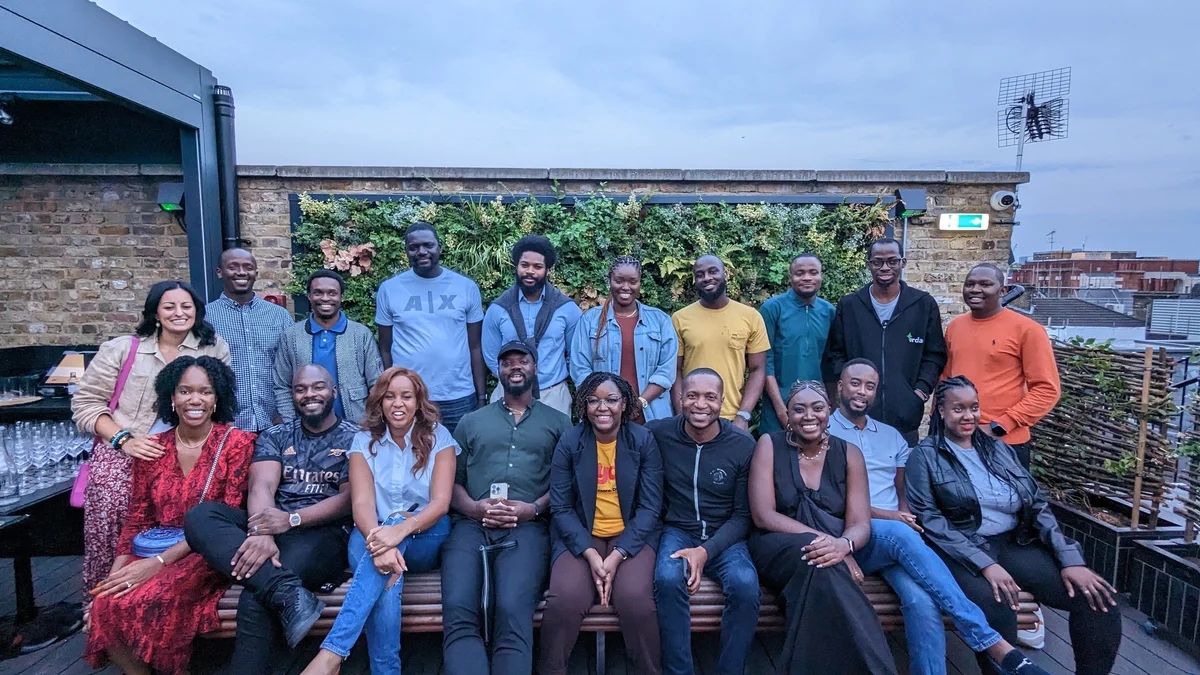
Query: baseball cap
{"type": "Point", "coordinates": [516, 346]}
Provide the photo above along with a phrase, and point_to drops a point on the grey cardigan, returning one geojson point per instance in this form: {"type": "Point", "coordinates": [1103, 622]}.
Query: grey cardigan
{"type": "Point", "coordinates": [358, 367]}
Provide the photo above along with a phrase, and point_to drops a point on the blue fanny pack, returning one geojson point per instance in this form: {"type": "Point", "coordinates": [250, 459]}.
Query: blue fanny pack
{"type": "Point", "coordinates": [156, 540]}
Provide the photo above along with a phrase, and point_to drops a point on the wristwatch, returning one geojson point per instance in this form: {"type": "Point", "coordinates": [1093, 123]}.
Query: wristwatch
{"type": "Point", "coordinates": [645, 404]}
{"type": "Point", "coordinates": [744, 415]}
{"type": "Point", "coordinates": [537, 510]}
{"type": "Point", "coordinates": [294, 519]}
{"type": "Point", "coordinates": [623, 552]}
{"type": "Point", "coordinates": [998, 430]}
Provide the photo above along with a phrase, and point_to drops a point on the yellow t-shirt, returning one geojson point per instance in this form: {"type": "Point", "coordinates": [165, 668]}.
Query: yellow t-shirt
{"type": "Point", "coordinates": [720, 339]}
{"type": "Point", "coordinates": [608, 521]}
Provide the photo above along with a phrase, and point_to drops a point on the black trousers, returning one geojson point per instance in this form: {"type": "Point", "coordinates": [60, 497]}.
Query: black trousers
{"type": "Point", "coordinates": [519, 577]}
{"type": "Point", "coordinates": [313, 555]}
{"type": "Point", "coordinates": [1023, 451]}
{"type": "Point", "coordinates": [1095, 636]}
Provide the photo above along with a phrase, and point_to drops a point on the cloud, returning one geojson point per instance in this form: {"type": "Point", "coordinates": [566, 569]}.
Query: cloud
{"type": "Point", "coordinates": [705, 84]}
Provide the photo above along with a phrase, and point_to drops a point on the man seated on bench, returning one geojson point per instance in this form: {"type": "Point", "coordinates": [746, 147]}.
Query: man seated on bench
{"type": "Point", "coordinates": [706, 465]}
{"type": "Point", "coordinates": [295, 527]}
{"type": "Point", "coordinates": [896, 550]}
{"type": "Point", "coordinates": [494, 562]}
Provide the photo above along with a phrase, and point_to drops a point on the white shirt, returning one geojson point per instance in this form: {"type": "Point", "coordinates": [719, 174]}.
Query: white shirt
{"type": "Point", "coordinates": [884, 450]}
{"type": "Point", "coordinates": [396, 488]}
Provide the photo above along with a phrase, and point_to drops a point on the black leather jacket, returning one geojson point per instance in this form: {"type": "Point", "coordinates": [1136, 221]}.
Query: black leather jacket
{"type": "Point", "coordinates": [942, 497]}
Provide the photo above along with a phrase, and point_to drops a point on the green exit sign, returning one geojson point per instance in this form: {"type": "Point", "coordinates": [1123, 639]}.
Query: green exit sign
{"type": "Point", "coordinates": [963, 221]}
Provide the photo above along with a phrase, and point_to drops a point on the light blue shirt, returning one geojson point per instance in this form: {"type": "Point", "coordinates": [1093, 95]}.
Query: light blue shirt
{"type": "Point", "coordinates": [656, 348]}
{"type": "Point", "coordinates": [396, 488]}
{"type": "Point", "coordinates": [884, 450]}
{"type": "Point", "coordinates": [498, 329]}
{"type": "Point", "coordinates": [998, 503]}
{"type": "Point", "coordinates": [429, 320]}
{"type": "Point", "coordinates": [324, 350]}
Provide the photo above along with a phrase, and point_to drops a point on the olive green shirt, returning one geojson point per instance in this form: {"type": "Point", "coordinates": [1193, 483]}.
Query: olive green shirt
{"type": "Point", "coordinates": [494, 450]}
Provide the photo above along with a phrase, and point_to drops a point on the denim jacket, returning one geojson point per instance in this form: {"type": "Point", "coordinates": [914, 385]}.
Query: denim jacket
{"type": "Point", "coordinates": [655, 345]}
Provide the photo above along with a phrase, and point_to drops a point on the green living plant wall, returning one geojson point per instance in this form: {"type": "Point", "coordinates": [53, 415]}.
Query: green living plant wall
{"type": "Point", "coordinates": [364, 241]}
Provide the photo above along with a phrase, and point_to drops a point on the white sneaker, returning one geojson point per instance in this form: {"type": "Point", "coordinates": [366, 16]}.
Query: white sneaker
{"type": "Point", "coordinates": [1036, 638]}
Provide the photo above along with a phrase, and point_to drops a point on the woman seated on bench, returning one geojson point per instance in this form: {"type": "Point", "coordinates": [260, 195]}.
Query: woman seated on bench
{"type": "Point", "coordinates": [986, 517]}
{"type": "Point", "coordinates": [605, 501]}
{"type": "Point", "coordinates": [401, 476]}
{"type": "Point", "coordinates": [809, 498]}
{"type": "Point", "coordinates": [149, 609]}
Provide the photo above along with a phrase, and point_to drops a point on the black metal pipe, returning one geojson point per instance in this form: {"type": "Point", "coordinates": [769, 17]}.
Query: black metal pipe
{"type": "Point", "coordinates": [231, 229]}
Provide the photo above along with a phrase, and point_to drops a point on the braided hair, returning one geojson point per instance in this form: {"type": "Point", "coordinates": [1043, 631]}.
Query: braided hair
{"type": "Point", "coordinates": [984, 444]}
{"type": "Point", "coordinates": [811, 385]}
{"type": "Point", "coordinates": [588, 388]}
{"type": "Point", "coordinates": [612, 269]}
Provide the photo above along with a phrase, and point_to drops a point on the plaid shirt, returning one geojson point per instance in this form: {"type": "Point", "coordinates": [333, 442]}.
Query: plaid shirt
{"type": "Point", "coordinates": [252, 331]}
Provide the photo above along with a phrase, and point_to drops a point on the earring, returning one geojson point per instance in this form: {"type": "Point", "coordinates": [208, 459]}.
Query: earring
{"type": "Point", "coordinates": [172, 406]}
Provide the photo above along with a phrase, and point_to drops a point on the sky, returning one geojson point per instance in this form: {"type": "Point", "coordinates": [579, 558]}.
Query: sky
{"type": "Point", "coordinates": [780, 84]}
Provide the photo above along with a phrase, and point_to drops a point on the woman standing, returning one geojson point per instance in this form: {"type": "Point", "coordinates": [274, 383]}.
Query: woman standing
{"type": "Point", "coordinates": [401, 477]}
{"type": "Point", "coordinates": [626, 338]}
{"type": "Point", "coordinates": [116, 402]}
{"type": "Point", "coordinates": [605, 501]}
{"type": "Point", "coordinates": [147, 611]}
{"type": "Point", "coordinates": [809, 498]}
{"type": "Point", "coordinates": [989, 521]}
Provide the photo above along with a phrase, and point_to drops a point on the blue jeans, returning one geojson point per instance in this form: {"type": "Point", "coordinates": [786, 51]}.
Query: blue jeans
{"type": "Point", "coordinates": [734, 570]}
{"type": "Point", "coordinates": [453, 411]}
{"type": "Point", "coordinates": [926, 589]}
{"type": "Point", "coordinates": [368, 604]}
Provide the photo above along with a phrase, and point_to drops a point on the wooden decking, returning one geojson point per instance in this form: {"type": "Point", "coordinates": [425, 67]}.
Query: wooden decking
{"type": "Point", "coordinates": [59, 579]}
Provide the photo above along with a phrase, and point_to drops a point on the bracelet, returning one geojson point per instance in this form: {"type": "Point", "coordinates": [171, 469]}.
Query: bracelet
{"type": "Point", "coordinates": [119, 439]}
{"type": "Point", "coordinates": [851, 542]}
{"type": "Point", "coordinates": [160, 559]}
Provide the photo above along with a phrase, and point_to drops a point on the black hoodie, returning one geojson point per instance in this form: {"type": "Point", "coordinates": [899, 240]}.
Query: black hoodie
{"type": "Point", "coordinates": [909, 351]}
{"type": "Point", "coordinates": [705, 485]}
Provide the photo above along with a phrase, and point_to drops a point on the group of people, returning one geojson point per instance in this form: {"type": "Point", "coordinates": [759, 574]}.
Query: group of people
{"type": "Point", "coordinates": [254, 450]}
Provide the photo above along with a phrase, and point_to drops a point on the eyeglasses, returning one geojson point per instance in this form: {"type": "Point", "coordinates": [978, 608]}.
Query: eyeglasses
{"type": "Point", "coordinates": [893, 263]}
{"type": "Point", "coordinates": [612, 401]}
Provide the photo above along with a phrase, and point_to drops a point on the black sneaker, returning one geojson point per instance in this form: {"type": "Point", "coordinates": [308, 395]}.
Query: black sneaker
{"type": "Point", "coordinates": [298, 610]}
{"type": "Point", "coordinates": [1015, 663]}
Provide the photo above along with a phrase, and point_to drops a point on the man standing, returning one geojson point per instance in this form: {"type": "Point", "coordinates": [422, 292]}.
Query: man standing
{"type": "Point", "coordinates": [251, 326]}
{"type": "Point", "coordinates": [430, 320]}
{"type": "Point", "coordinates": [293, 533]}
{"type": "Point", "coordinates": [725, 336]}
{"type": "Point", "coordinates": [797, 326]}
{"type": "Point", "coordinates": [706, 466]}
{"type": "Point", "coordinates": [494, 562]}
{"type": "Point", "coordinates": [329, 339]}
{"type": "Point", "coordinates": [538, 314]}
{"type": "Point", "coordinates": [1009, 358]}
{"type": "Point", "coordinates": [897, 327]}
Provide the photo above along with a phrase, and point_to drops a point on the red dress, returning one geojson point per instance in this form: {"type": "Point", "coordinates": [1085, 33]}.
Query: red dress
{"type": "Point", "coordinates": [159, 618]}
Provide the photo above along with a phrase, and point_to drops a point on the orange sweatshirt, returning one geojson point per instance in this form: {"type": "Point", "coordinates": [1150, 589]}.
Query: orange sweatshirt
{"type": "Point", "coordinates": [1011, 362]}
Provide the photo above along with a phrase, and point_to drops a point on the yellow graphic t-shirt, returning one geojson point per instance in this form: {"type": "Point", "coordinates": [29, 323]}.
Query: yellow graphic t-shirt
{"type": "Point", "coordinates": [608, 521]}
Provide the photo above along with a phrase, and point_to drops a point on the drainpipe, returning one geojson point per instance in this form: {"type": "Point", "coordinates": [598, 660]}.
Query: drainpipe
{"type": "Point", "coordinates": [904, 244]}
{"type": "Point", "coordinates": [231, 231]}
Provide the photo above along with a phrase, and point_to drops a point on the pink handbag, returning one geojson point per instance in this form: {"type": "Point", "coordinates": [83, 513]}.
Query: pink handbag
{"type": "Point", "coordinates": [81, 479]}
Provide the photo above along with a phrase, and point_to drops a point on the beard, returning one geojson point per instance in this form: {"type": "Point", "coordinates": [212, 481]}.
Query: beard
{"type": "Point", "coordinates": [535, 290]}
{"type": "Point", "coordinates": [709, 296]}
{"type": "Point", "coordinates": [315, 420]}
{"type": "Point", "coordinates": [518, 389]}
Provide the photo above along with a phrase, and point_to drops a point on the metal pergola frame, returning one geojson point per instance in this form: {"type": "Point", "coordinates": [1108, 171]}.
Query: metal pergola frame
{"type": "Point", "coordinates": [74, 50]}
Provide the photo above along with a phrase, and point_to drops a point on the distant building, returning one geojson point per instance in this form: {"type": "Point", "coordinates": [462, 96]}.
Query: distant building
{"type": "Point", "coordinates": [1175, 319]}
{"type": "Point", "coordinates": [1066, 318]}
{"type": "Point", "coordinates": [1060, 274]}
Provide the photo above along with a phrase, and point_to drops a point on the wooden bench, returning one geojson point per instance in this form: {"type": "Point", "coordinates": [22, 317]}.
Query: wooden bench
{"type": "Point", "coordinates": [421, 602]}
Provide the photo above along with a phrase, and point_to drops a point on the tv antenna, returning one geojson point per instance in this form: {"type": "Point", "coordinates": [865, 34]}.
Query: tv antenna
{"type": "Point", "coordinates": [1050, 236]}
{"type": "Point", "coordinates": [1033, 108]}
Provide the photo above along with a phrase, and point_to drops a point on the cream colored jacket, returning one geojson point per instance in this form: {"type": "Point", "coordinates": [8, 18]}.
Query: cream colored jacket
{"type": "Point", "coordinates": [135, 409]}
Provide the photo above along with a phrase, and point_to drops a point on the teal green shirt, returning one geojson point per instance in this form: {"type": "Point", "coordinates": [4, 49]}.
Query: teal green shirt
{"type": "Point", "coordinates": [797, 332]}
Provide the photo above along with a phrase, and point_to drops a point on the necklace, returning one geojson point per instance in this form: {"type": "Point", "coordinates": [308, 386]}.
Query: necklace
{"type": "Point", "coordinates": [192, 446]}
{"type": "Point", "coordinates": [627, 316]}
{"type": "Point", "coordinates": [806, 458]}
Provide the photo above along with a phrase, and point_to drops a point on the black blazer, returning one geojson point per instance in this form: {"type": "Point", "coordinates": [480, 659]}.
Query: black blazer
{"type": "Point", "coordinates": [573, 490]}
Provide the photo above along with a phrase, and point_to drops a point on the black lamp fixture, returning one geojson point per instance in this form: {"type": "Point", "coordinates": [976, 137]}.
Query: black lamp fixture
{"type": "Point", "coordinates": [910, 202]}
{"type": "Point", "coordinates": [170, 197]}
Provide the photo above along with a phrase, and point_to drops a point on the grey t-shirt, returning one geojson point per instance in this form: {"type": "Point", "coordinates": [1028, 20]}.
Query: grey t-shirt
{"type": "Point", "coordinates": [429, 320]}
{"type": "Point", "coordinates": [997, 501]}
{"type": "Point", "coordinates": [884, 310]}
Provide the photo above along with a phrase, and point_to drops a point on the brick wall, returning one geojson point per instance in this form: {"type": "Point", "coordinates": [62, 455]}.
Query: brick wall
{"type": "Point", "coordinates": [82, 243]}
{"type": "Point", "coordinates": [77, 254]}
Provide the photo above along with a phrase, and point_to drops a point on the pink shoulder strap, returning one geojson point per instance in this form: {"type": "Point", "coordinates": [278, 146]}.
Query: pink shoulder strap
{"type": "Point", "coordinates": [125, 368]}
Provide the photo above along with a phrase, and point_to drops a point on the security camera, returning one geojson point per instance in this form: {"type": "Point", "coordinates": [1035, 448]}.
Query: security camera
{"type": "Point", "coordinates": [1003, 200]}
